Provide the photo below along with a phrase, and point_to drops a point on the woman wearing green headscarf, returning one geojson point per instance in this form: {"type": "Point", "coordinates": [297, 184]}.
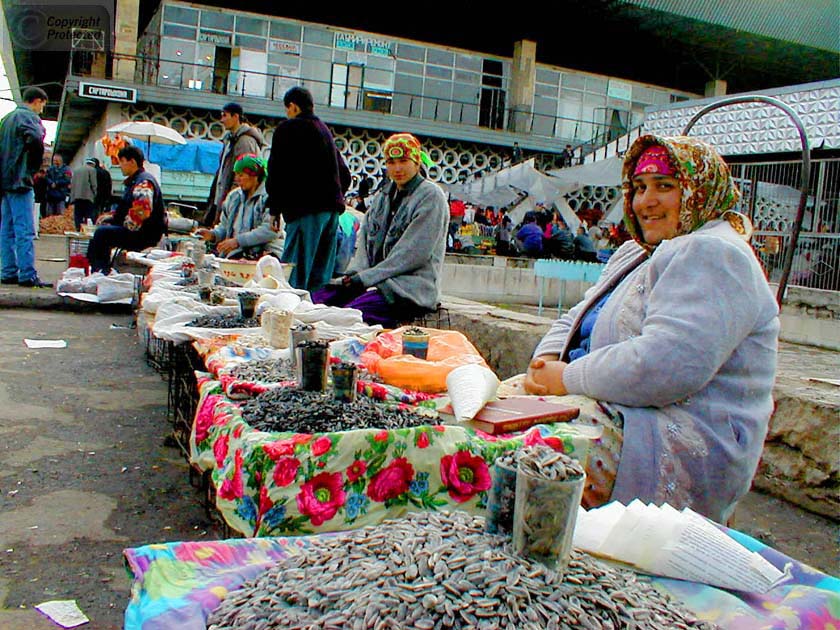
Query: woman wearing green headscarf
{"type": "Point", "coordinates": [245, 229]}
{"type": "Point", "coordinates": [673, 351]}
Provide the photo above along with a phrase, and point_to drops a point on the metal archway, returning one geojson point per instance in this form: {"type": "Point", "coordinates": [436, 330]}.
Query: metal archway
{"type": "Point", "coordinates": [804, 179]}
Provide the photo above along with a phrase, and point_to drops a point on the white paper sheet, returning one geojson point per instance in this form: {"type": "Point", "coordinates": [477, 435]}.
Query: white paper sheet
{"type": "Point", "coordinates": [45, 343]}
{"type": "Point", "coordinates": [64, 612]}
{"type": "Point", "coordinates": [682, 545]}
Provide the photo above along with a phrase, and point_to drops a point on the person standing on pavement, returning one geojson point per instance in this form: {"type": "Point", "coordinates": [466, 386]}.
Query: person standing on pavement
{"type": "Point", "coordinates": [307, 179]}
{"type": "Point", "coordinates": [138, 222]}
{"type": "Point", "coordinates": [83, 189]}
{"type": "Point", "coordinates": [240, 139]}
{"type": "Point", "coordinates": [104, 186]}
{"type": "Point", "coordinates": [59, 176]}
{"type": "Point", "coordinates": [21, 152]}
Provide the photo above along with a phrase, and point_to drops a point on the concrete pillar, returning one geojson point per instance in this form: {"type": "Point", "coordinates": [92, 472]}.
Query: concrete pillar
{"type": "Point", "coordinates": [717, 87]}
{"type": "Point", "coordinates": [127, 20]}
{"type": "Point", "coordinates": [522, 82]}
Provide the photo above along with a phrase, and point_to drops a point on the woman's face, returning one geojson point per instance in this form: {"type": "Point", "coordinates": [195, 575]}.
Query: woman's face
{"type": "Point", "coordinates": [656, 204]}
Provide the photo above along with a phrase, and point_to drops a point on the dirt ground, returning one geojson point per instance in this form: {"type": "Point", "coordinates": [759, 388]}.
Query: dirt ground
{"type": "Point", "coordinates": [86, 473]}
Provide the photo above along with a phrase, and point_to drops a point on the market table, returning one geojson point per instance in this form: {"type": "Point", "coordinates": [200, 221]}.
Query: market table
{"type": "Point", "coordinates": [177, 585]}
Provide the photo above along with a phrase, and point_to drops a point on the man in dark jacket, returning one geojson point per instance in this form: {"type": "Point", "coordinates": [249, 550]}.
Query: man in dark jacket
{"type": "Point", "coordinates": [104, 185]}
{"type": "Point", "coordinates": [138, 222]}
{"type": "Point", "coordinates": [59, 176]}
{"type": "Point", "coordinates": [21, 152]}
{"type": "Point", "coordinates": [240, 139]}
{"type": "Point", "coordinates": [307, 179]}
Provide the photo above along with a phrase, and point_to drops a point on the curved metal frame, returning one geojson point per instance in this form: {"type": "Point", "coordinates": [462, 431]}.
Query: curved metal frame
{"type": "Point", "coordinates": [804, 179]}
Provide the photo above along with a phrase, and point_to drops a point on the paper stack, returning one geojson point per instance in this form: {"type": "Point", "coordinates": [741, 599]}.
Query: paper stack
{"type": "Point", "coordinates": [676, 544]}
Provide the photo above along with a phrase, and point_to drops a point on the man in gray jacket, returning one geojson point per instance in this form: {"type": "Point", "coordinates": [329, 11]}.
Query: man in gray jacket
{"type": "Point", "coordinates": [396, 272]}
{"type": "Point", "coordinates": [21, 152]}
{"type": "Point", "coordinates": [83, 188]}
{"type": "Point", "coordinates": [240, 139]}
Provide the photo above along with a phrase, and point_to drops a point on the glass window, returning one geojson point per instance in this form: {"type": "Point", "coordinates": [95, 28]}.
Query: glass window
{"type": "Point", "coordinates": [251, 26]}
{"type": "Point", "coordinates": [312, 70]}
{"type": "Point", "coordinates": [318, 35]}
{"type": "Point", "coordinates": [380, 63]}
{"type": "Point", "coordinates": [251, 43]}
{"type": "Point", "coordinates": [468, 62]}
{"type": "Point", "coordinates": [381, 79]}
{"type": "Point", "coordinates": [596, 85]}
{"type": "Point", "coordinates": [181, 32]}
{"type": "Point", "coordinates": [180, 15]}
{"type": "Point", "coordinates": [440, 57]}
{"type": "Point", "coordinates": [467, 77]}
{"type": "Point", "coordinates": [219, 21]}
{"type": "Point", "coordinates": [541, 89]}
{"type": "Point", "coordinates": [465, 93]}
{"type": "Point", "coordinates": [338, 56]}
{"type": "Point", "coordinates": [282, 30]}
{"type": "Point", "coordinates": [406, 67]}
{"type": "Point", "coordinates": [546, 106]}
{"type": "Point", "coordinates": [407, 51]}
{"type": "Point", "coordinates": [317, 52]}
{"type": "Point", "coordinates": [407, 84]}
{"type": "Point", "coordinates": [573, 81]}
{"type": "Point", "coordinates": [551, 77]}
{"type": "Point", "coordinates": [438, 72]}
{"type": "Point", "coordinates": [283, 59]}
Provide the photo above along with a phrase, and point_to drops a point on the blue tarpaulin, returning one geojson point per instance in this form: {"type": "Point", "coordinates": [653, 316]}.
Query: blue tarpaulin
{"type": "Point", "coordinates": [196, 155]}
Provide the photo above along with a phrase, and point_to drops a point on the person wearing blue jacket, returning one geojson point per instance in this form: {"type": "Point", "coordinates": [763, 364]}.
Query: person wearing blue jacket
{"type": "Point", "coordinates": [21, 153]}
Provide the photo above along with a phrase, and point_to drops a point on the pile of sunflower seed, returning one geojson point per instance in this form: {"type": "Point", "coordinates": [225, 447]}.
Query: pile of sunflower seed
{"type": "Point", "coordinates": [290, 409]}
{"type": "Point", "coordinates": [433, 571]}
{"type": "Point", "coordinates": [263, 371]}
{"type": "Point", "coordinates": [544, 462]}
{"type": "Point", "coordinates": [225, 321]}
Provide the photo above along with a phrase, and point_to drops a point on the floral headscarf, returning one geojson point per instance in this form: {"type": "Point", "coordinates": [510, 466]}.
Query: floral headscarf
{"type": "Point", "coordinates": [404, 145]}
{"type": "Point", "coordinates": [708, 190]}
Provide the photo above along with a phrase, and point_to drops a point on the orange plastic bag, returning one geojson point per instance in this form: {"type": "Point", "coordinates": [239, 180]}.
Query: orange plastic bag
{"type": "Point", "coordinates": [448, 349]}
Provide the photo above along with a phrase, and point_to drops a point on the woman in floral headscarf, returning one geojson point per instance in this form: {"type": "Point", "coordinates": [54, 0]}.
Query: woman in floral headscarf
{"type": "Point", "coordinates": [395, 273]}
{"type": "Point", "coordinates": [673, 351]}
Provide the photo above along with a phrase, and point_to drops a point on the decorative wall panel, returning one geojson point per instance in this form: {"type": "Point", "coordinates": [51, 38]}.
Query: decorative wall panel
{"type": "Point", "coordinates": [754, 128]}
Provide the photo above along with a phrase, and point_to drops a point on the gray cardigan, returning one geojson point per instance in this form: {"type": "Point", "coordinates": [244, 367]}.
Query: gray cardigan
{"type": "Point", "coordinates": [413, 247]}
{"type": "Point", "coordinates": [248, 220]}
{"type": "Point", "coordinates": [685, 349]}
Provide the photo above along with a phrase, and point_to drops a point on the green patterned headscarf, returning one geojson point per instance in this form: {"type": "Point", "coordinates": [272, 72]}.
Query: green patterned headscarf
{"type": "Point", "coordinates": [252, 164]}
{"type": "Point", "coordinates": [708, 190]}
{"type": "Point", "coordinates": [404, 145]}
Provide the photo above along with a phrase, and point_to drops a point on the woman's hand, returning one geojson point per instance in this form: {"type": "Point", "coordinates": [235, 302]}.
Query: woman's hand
{"type": "Point", "coordinates": [227, 246]}
{"type": "Point", "coordinates": [545, 376]}
{"type": "Point", "coordinates": [204, 233]}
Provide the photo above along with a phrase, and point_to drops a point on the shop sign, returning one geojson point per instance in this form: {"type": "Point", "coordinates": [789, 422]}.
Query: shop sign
{"type": "Point", "coordinates": [223, 39]}
{"type": "Point", "coordinates": [284, 46]}
{"type": "Point", "coordinates": [620, 90]}
{"type": "Point", "coordinates": [359, 43]}
{"type": "Point", "coordinates": [107, 92]}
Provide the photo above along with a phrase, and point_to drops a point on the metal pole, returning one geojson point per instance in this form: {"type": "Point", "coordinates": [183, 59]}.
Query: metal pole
{"type": "Point", "coordinates": [804, 179]}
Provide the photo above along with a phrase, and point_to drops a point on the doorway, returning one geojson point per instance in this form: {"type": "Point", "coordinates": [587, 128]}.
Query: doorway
{"type": "Point", "coordinates": [221, 69]}
{"type": "Point", "coordinates": [346, 86]}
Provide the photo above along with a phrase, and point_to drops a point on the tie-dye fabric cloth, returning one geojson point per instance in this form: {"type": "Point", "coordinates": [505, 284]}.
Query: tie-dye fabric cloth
{"type": "Point", "coordinates": [177, 585]}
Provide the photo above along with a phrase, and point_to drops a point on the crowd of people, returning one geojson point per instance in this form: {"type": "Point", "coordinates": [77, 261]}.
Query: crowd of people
{"type": "Point", "coordinates": [542, 233]}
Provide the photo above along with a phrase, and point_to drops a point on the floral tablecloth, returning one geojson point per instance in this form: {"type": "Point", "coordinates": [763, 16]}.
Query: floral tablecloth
{"type": "Point", "coordinates": [270, 484]}
{"type": "Point", "coordinates": [177, 585]}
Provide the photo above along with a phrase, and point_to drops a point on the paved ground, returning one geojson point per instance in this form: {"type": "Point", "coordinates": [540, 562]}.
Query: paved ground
{"type": "Point", "coordinates": [84, 472]}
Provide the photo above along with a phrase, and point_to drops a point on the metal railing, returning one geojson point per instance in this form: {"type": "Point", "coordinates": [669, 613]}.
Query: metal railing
{"type": "Point", "coordinates": [182, 75]}
{"type": "Point", "coordinates": [816, 259]}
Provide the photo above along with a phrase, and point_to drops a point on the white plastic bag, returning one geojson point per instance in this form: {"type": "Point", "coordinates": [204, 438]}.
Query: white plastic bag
{"type": "Point", "coordinates": [113, 288]}
{"type": "Point", "coordinates": [269, 274]}
{"type": "Point", "coordinates": [470, 388]}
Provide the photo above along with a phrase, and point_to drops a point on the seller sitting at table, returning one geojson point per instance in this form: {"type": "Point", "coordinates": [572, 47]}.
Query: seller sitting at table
{"type": "Point", "coordinates": [395, 273]}
{"type": "Point", "coordinates": [673, 351]}
{"type": "Point", "coordinates": [138, 221]}
{"type": "Point", "coordinates": [245, 229]}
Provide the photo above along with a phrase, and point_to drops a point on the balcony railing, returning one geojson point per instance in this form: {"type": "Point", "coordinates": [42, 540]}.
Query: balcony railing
{"type": "Point", "coordinates": [487, 112]}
